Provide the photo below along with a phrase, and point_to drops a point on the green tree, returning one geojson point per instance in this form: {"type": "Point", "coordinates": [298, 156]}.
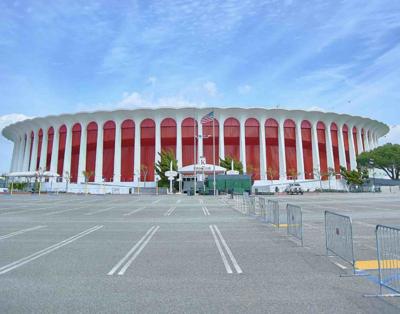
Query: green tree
{"type": "Point", "coordinates": [163, 165]}
{"type": "Point", "coordinates": [354, 177]}
{"type": "Point", "coordinates": [386, 158]}
{"type": "Point", "coordinates": [227, 164]}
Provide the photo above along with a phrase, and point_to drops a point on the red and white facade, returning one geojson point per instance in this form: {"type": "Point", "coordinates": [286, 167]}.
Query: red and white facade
{"type": "Point", "coordinates": [273, 144]}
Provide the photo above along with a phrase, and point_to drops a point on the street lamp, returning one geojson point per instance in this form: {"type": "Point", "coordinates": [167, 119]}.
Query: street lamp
{"type": "Point", "coordinates": [372, 164]}
{"type": "Point", "coordinates": [67, 177]}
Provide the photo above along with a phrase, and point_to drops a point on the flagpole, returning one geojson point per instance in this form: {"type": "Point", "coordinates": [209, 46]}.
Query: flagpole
{"type": "Point", "coordinates": [213, 127]}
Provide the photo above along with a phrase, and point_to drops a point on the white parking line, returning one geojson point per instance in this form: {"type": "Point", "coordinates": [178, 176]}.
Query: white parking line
{"type": "Point", "coordinates": [135, 250]}
{"type": "Point", "coordinates": [205, 211]}
{"type": "Point", "coordinates": [224, 260]}
{"type": "Point", "coordinates": [170, 211]}
{"type": "Point", "coordinates": [99, 211]}
{"type": "Point", "coordinates": [135, 211]}
{"type": "Point", "coordinates": [6, 236]}
{"type": "Point", "coordinates": [228, 250]}
{"type": "Point", "coordinates": [64, 211]}
{"type": "Point", "coordinates": [219, 239]}
{"type": "Point", "coordinates": [34, 256]}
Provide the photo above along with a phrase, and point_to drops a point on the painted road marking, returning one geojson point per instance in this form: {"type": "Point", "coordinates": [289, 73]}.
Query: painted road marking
{"type": "Point", "coordinates": [6, 236]}
{"type": "Point", "coordinates": [170, 211]}
{"type": "Point", "coordinates": [219, 239]}
{"type": "Point", "coordinates": [133, 252]}
{"type": "Point", "coordinates": [34, 256]}
{"type": "Point", "coordinates": [99, 211]}
{"type": "Point", "coordinates": [135, 211]}
{"type": "Point", "coordinates": [205, 211]}
{"type": "Point", "coordinates": [373, 264]}
{"type": "Point", "coordinates": [340, 265]}
{"type": "Point", "coordinates": [64, 211]}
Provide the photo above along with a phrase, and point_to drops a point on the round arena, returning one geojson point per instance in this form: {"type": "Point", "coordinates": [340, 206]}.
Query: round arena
{"type": "Point", "coordinates": [274, 145]}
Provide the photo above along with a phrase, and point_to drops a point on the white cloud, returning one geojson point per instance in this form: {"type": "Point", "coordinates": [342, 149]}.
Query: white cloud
{"type": "Point", "coordinates": [8, 119]}
{"type": "Point", "coordinates": [244, 89]}
{"type": "Point", "coordinates": [393, 136]}
{"type": "Point", "coordinates": [210, 88]}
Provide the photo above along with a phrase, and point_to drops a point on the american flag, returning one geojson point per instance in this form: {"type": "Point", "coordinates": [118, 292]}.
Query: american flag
{"type": "Point", "coordinates": [207, 118]}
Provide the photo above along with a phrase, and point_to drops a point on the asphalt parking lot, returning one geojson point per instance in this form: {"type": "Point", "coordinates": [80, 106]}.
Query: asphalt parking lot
{"type": "Point", "coordinates": [180, 254]}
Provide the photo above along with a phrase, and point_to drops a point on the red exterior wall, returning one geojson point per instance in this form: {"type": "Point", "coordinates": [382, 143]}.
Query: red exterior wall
{"type": "Point", "coordinates": [232, 138]}
{"type": "Point", "coordinates": [290, 148]}
{"type": "Point", "coordinates": [335, 147]}
{"type": "Point", "coordinates": [355, 140]}
{"type": "Point", "coordinates": [127, 150]}
{"type": "Point", "coordinates": [39, 150]}
{"type": "Point", "coordinates": [208, 142]}
{"type": "Point", "coordinates": [76, 143]}
{"type": "Point", "coordinates": [62, 133]}
{"type": "Point", "coordinates": [189, 129]}
{"type": "Point", "coordinates": [323, 163]}
{"type": "Point", "coordinates": [272, 147]}
{"type": "Point", "coordinates": [252, 133]}
{"type": "Point", "coordinates": [168, 135]}
{"type": "Point", "coordinates": [91, 146]}
{"type": "Point", "coordinates": [307, 150]}
{"type": "Point", "coordinates": [147, 149]}
{"type": "Point", "coordinates": [346, 145]}
{"type": "Point", "coordinates": [30, 150]}
{"type": "Point", "coordinates": [50, 139]}
{"type": "Point", "coordinates": [108, 150]}
{"type": "Point", "coordinates": [362, 139]}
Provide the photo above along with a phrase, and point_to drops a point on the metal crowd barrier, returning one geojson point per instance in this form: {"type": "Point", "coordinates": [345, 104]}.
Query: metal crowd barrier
{"type": "Point", "coordinates": [251, 201]}
{"type": "Point", "coordinates": [339, 236]}
{"type": "Point", "coordinates": [273, 213]}
{"type": "Point", "coordinates": [263, 208]}
{"type": "Point", "coordinates": [388, 251]}
{"type": "Point", "coordinates": [295, 222]}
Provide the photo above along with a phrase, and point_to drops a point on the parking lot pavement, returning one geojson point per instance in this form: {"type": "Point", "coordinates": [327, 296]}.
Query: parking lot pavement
{"type": "Point", "coordinates": [150, 254]}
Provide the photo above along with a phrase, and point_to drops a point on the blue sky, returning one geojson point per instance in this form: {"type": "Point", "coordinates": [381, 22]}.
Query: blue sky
{"type": "Point", "coordinates": [67, 56]}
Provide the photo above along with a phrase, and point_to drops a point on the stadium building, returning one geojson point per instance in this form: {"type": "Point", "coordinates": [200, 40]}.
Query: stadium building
{"type": "Point", "coordinates": [120, 147]}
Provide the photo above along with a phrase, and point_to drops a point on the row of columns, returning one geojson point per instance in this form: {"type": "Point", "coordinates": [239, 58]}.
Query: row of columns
{"type": "Point", "coordinates": [21, 152]}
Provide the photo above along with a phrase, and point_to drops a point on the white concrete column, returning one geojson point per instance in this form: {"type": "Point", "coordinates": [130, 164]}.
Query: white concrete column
{"type": "Point", "coordinates": [179, 142]}
{"type": "Point", "coordinates": [315, 148]}
{"type": "Point", "coordinates": [82, 153]}
{"type": "Point", "coordinates": [43, 153]}
{"type": "Point", "coordinates": [366, 143]}
{"type": "Point", "coordinates": [32, 166]}
{"type": "Point", "coordinates": [221, 121]}
{"type": "Point", "coordinates": [359, 141]}
{"type": "Point", "coordinates": [352, 151]}
{"type": "Point", "coordinates": [243, 144]}
{"type": "Point", "coordinates": [117, 152]}
{"type": "Point", "coordinates": [18, 154]}
{"type": "Point", "coordinates": [137, 150]}
{"type": "Point", "coordinates": [299, 151]}
{"type": "Point", "coordinates": [158, 140]}
{"type": "Point", "coordinates": [98, 177]}
{"type": "Point", "coordinates": [342, 152]}
{"type": "Point", "coordinates": [282, 152]}
{"type": "Point", "coordinates": [329, 149]}
{"type": "Point", "coordinates": [200, 151]}
{"type": "Point", "coordinates": [67, 152]}
{"type": "Point", "coordinates": [27, 152]}
{"type": "Point", "coordinates": [263, 152]}
{"type": "Point", "coordinates": [14, 155]}
{"type": "Point", "coordinates": [21, 153]}
{"type": "Point", "coordinates": [54, 150]}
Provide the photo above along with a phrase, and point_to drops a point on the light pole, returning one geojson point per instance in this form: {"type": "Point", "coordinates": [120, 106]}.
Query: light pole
{"type": "Point", "coordinates": [67, 178]}
{"type": "Point", "coordinates": [372, 164]}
